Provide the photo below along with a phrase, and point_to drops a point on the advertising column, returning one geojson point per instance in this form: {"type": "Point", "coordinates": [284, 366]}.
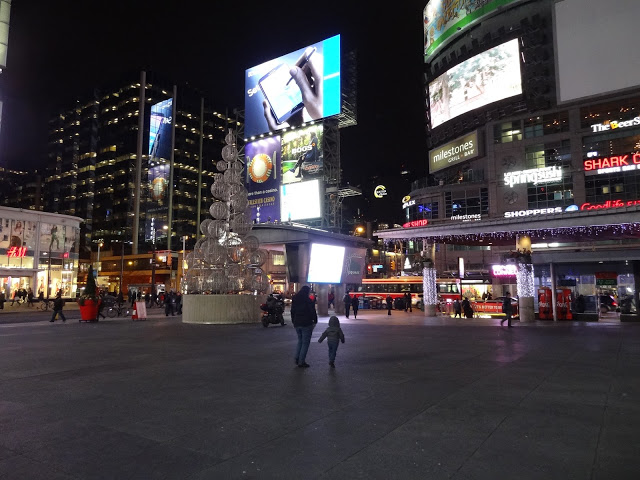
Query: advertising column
{"type": "Point", "coordinates": [262, 179]}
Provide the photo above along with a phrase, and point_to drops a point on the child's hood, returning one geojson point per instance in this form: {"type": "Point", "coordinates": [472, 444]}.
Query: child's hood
{"type": "Point", "coordinates": [334, 322]}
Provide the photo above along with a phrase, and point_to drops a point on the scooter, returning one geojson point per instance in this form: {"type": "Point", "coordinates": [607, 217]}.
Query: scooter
{"type": "Point", "coordinates": [273, 312]}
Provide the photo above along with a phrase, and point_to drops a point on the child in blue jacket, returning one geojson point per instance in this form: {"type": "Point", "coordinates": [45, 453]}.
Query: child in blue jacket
{"type": "Point", "coordinates": [334, 335]}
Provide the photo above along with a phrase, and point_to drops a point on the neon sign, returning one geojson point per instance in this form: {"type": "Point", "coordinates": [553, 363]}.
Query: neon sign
{"type": "Point", "coordinates": [380, 191]}
{"type": "Point", "coordinates": [17, 252]}
{"type": "Point", "coordinates": [609, 204]}
{"type": "Point", "coordinates": [415, 223]}
{"type": "Point", "coordinates": [613, 164]}
{"type": "Point", "coordinates": [508, 270]}
{"type": "Point", "coordinates": [534, 175]}
{"type": "Point", "coordinates": [613, 124]}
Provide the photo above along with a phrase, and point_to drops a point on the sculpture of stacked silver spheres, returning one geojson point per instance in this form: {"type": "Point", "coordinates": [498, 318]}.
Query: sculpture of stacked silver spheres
{"type": "Point", "coordinates": [227, 259]}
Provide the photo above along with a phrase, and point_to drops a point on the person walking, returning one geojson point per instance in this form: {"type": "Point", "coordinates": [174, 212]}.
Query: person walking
{"type": "Point", "coordinates": [58, 305]}
{"type": "Point", "coordinates": [507, 309]}
{"type": "Point", "coordinates": [304, 318]}
{"type": "Point", "coordinates": [407, 302]}
{"type": "Point", "coordinates": [466, 308]}
{"type": "Point", "coordinates": [30, 298]}
{"type": "Point", "coordinates": [355, 303]}
{"type": "Point", "coordinates": [457, 309]}
{"type": "Point", "coordinates": [389, 304]}
{"type": "Point", "coordinates": [179, 303]}
{"type": "Point", "coordinates": [334, 336]}
{"type": "Point", "coordinates": [2, 299]}
{"type": "Point", "coordinates": [347, 303]}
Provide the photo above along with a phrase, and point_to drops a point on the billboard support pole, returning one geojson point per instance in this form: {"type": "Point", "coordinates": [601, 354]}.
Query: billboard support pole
{"type": "Point", "coordinates": [136, 196]}
{"type": "Point", "coordinates": [199, 204]}
{"type": "Point", "coordinates": [173, 149]}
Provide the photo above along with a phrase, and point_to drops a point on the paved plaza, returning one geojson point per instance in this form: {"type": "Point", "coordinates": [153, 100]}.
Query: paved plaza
{"type": "Point", "coordinates": [410, 398]}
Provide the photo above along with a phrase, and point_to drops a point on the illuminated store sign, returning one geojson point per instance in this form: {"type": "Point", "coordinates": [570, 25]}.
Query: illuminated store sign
{"type": "Point", "coordinates": [407, 202]}
{"type": "Point", "coordinates": [614, 164]}
{"type": "Point", "coordinates": [613, 124]}
{"type": "Point", "coordinates": [380, 191]}
{"type": "Point", "coordinates": [534, 175]}
{"type": "Point", "coordinates": [461, 149]}
{"type": "Point", "coordinates": [415, 223]}
{"type": "Point", "coordinates": [474, 217]}
{"type": "Point", "coordinates": [508, 270]}
{"type": "Point", "coordinates": [17, 252]}
{"type": "Point", "coordinates": [534, 211]}
{"type": "Point", "coordinates": [609, 204]}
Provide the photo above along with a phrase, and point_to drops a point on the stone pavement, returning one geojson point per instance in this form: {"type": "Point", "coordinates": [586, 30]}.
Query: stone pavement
{"type": "Point", "coordinates": [410, 398]}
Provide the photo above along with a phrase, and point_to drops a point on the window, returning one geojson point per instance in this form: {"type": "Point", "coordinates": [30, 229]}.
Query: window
{"type": "Point", "coordinates": [556, 194]}
{"type": "Point", "coordinates": [619, 110]}
{"type": "Point", "coordinates": [467, 202]}
{"type": "Point", "coordinates": [507, 132]}
{"type": "Point", "coordinates": [546, 124]}
{"type": "Point", "coordinates": [278, 259]}
{"type": "Point", "coordinates": [424, 210]}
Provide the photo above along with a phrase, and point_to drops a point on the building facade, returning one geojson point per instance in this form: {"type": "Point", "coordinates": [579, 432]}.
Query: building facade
{"type": "Point", "coordinates": [38, 251]}
{"type": "Point", "coordinates": [142, 180]}
{"type": "Point", "coordinates": [514, 157]}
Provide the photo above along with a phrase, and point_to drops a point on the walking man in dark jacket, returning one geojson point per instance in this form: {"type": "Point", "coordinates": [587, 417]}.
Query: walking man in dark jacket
{"type": "Point", "coordinates": [304, 318]}
{"type": "Point", "coordinates": [347, 303]}
{"type": "Point", "coordinates": [389, 304]}
{"type": "Point", "coordinates": [58, 304]}
{"type": "Point", "coordinates": [507, 309]}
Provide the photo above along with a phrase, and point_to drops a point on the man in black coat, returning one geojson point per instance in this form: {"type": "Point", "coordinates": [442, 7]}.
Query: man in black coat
{"type": "Point", "coordinates": [304, 318]}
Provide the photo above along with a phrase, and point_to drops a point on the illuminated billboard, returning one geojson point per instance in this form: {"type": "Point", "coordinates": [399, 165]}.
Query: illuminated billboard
{"type": "Point", "coordinates": [160, 146]}
{"type": "Point", "coordinates": [354, 265]}
{"type": "Point", "coordinates": [325, 263]}
{"type": "Point", "coordinates": [302, 154]}
{"type": "Point", "coordinates": [160, 130]}
{"type": "Point", "coordinates": [444, 19]}
{"type": "Point", "coordinates": [461, 149]}
{"type": "Point", "coordinates": [298, 87]}
{"type": "Point", "coordinates": [262, 178]}
{"type": "Point", "coordinates": [486, 78]}
{"type": "Point", "coordinates": [300, 201]}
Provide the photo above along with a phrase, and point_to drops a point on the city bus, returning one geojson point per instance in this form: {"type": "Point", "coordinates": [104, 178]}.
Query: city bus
{"type": "Point", "coordinates": [449, 289]}
{"type": "Point", "coordinates": [379, 288]}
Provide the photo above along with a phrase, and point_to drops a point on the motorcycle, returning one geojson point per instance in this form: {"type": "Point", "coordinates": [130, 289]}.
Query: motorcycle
{"type": "Point", "coordinates": [273, 311]}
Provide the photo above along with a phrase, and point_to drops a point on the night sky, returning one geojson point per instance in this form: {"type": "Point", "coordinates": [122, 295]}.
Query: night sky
{"type": "Point", "coordinates": [59, 50]}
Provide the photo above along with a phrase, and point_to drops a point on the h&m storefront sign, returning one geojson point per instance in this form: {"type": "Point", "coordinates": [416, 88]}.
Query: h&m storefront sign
{"type": "Point", "coordinates": [613, 164]}
{"type": "Point", "coordinates": [460, 150]}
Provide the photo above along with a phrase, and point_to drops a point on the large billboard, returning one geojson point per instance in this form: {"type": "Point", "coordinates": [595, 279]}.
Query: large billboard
{"type": "Point", "coordinates": [460, 150]}
{"type": "Point", "coordinates": [300, 201]}
{"type": "Point", "coordinates": [160, 146]}
{"type": "Point", "coordinates": [354, 265]}
{"type": "Point", "coordinates": [444, 19]}
{"type": "Point", "coordinates": [483, 79]}
{"type": "Point", "coordinates": [262, 178]}
{"type": "Point", "coordinates": [302, 154]}
{"type": "Point", "coordinates": [295, 88]}
{"type": "Point", "coordinates": [589, 63]}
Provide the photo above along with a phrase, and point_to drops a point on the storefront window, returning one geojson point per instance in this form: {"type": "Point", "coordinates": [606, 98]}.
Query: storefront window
{"type": "Point", "coordinates": [602, 113]}
{"type": "Point", "coordinates": [467, 202]}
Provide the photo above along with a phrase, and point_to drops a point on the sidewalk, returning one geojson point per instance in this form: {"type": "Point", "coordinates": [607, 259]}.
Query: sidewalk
{"type": "Point", "coordinates": [410, 398]}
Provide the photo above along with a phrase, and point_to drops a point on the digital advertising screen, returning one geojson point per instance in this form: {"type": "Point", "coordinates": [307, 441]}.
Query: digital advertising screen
{"type": "Point", "coordinates": [262, 178]}
{"type": "Point", "coordinates": [576, 47]}
{"type": "Point", "coordinates": [300, 201]}
{"type": "Point", "coordinates": [325, 263]}
{"type": "Point", "coordinates": [354, 265]}
{"type": "Point", "coordinates": [160, 130]}
{"type": "Point", "coordinates": [444, 19]}
{"type": "Point", "coordinates": [483, 79]}
{"type": "Point", "coordinates": [302, 154]}
{"type": "Point", "coordinates": [158, 195]}
{"type": "Point", "coordinates": [298, 87]}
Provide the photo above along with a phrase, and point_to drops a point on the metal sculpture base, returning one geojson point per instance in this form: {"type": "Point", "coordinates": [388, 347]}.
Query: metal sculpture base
{"type": "Point", "coordinates": [222, 309]}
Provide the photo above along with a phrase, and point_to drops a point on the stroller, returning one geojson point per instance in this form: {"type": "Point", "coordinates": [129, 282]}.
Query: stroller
{"type": "Point", "coordinates": [273, 310]}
